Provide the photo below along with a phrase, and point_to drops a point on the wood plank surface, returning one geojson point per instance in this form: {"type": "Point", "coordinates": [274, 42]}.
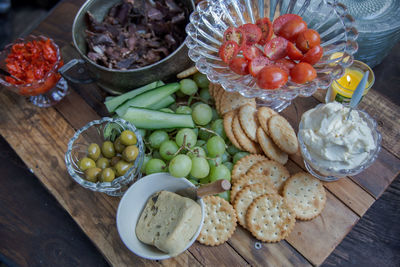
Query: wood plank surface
{"type": "Point", "coordinates": [37, 134]}
{"type": "Point", "coordinates": [43, 134]}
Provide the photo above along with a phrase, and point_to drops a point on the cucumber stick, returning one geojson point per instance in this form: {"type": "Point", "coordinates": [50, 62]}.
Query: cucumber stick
{"type": "Point", "coordinates": [147, 99]}
{"type": "Point", "coordinates": [152, 119]}
{"type": "Point", "coordinates": [113, 103]}
{"type": "Point", "coordinates": [165, 102]}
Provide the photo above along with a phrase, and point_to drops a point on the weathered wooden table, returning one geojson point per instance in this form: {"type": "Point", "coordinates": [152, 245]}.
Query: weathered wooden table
{"type": "Point", "coordinates": [40, 136]}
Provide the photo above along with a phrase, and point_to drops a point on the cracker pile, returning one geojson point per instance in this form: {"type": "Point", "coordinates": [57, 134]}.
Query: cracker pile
{"type": "Point", "coordinates": [265, 199]}
{"type": "Point", "coordinates": [257, 130]}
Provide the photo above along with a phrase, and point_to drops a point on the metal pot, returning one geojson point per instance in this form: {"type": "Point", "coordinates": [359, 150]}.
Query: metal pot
{"type": "Point", "coordinates": [120, 81]}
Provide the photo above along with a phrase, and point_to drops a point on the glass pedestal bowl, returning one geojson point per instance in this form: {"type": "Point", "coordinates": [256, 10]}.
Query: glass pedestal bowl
{"type": "Point", "coordinates": [97, 132]}
{"type": "Point", "coordinates": [44, 92]}
{"type": "Point", "coordinates": [330, 19]}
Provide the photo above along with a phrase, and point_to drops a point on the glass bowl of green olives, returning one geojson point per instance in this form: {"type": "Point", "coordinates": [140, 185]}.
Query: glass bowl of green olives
{"type": "Point", "coordinates": [106, 156]}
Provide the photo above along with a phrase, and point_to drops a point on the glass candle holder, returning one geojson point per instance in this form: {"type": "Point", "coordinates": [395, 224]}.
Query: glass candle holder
{"type": "Point", "coordinates": [341, 90]}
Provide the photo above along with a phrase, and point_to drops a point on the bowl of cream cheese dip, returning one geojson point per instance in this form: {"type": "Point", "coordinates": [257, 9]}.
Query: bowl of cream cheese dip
{"type": "Point", "coordinates": [156, 223]}
{"type": "Point", "coordinates": [334, 144]}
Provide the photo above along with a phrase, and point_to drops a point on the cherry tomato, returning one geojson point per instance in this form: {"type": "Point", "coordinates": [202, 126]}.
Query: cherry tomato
{"type": "Point", "coordinates": [293, 52]}
{"type": "Point", "coordinates": [292, 29]}
{"type": "Point", "coordinates": [285, 64]}
{"type": "Point", "coordinates": [302, 73]}
{"type": "Point", "coordinates": [271, 77]}
{"type": "Point", "coordinates": [251, 51]}
{"type": "Point", "coordinates": [251, 32]}
{"type": "Point", "coordinates": [234, 34]}
{"type": "Point", "coordinates": [228, 50]}
{"type": "Point", "coordinates": [276, 48]}
{"type": "Point", "coordinates": [266, 30]}
{"type": "Point", "coordinates": [239, 65]}
{"type": "Point", "coordinates": [282, 20]}
{"type": "Point", "coordinates": [256, 64]}
{"type": "Point", "coordinates": [307, 40]}
{"type": "Point", "coordinates": [313, 55]}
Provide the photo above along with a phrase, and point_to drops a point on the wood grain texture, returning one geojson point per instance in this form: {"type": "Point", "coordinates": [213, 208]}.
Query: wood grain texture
{"type": "Point", "coordinates": [316, 239]}
{"type": "Point", "coordinates": [257, 253]}
{"type": "Point", "coordinates": [37, 134]}
{"type": "Point", "coordinates": [34, 229]}
{"type": "Point", "coordinates": [376, 236]}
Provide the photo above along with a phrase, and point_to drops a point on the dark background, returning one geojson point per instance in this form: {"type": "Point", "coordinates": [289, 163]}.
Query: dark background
{"type": "Point", "coordinates": [52, 238]}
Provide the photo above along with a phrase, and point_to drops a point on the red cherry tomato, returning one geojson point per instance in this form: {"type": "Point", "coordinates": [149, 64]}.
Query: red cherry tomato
{"type": "Point", "coordinates": [302, 73]}
{"type": "Point", "coordinates": [228, 50]}
{"type": "Point", "coordinates": [251, 32]}
{"type": "Point", "coordinates": [293, 52]}
{"type": "Point", "coordinates": [251, 51]}
{"type": "Point", "coordinates": [292, 29]}
{"type": "Point", "coordinates": [282, 20]}
{"type": "Point", "coordinates": [266, 30]}
{"type": "Point", "coordinates": [234, 34]}
{"type": "Point", "coordinates": [256, 64]}
{"type": "Point", "coordinates": [276, 48]}
{"type": "Point", "coordinates": [285, 64]}
{"type": "Point", "coordinates": [271, 77]}
{"type": "Point", "coordinates": [239, 65]}
{"type": "Point", "coordinates": [313, 55]}
{"type": "Point", "coordinates": [307, 40]}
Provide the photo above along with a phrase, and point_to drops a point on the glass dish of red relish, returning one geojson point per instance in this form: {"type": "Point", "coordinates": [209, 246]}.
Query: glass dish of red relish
{"type": "Point", "coordinates": [33, 63]}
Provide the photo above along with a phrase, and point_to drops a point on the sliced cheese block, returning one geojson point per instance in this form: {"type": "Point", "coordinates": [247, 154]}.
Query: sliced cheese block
{"type": "Point", "coordinates": [169, 221]}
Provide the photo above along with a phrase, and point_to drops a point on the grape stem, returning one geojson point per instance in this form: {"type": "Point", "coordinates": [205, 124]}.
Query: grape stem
{"type": "Point", "coordinates": [212, 132]}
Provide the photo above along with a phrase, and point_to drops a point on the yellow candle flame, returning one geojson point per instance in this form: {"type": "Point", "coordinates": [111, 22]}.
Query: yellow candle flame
{"type": "Point", "coordinates": [348, 79]}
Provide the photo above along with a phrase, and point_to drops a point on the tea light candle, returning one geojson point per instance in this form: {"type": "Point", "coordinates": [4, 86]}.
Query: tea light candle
{"type": "Point", "coordinates": [342, 89]}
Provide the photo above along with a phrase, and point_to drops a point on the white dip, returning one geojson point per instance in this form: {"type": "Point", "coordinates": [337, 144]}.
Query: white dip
{"type": "Point", "coordinates": [334, 142]}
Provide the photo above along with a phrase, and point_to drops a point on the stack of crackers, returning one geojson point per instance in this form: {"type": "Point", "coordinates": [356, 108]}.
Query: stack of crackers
{"type": "Point", "coordinates": [265, 199]}
{"type": "Point", "coordinates": [254, 129]}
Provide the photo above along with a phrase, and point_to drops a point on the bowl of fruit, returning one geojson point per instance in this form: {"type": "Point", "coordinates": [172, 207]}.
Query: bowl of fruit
{"type": "Point", "coordinates": [105, 156]}
{"type": "Point", "coordinates": [272, 50]}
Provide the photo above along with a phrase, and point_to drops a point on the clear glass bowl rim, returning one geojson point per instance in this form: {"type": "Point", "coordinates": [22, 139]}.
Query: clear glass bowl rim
{"type": "Point", "coordinates": [344, 172]}
{"type": "Point", "coordinates": [117, 182]}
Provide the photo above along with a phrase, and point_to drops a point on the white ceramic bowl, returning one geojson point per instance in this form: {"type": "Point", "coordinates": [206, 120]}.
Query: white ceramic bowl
{"type": "Point", "coordinates": [132, 204]}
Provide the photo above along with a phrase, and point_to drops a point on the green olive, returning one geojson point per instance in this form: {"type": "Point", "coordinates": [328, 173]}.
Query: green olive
{"type": "Point", "coordinates": [119, 147]}
{"type": "Point", "coordinates": [94, 151]}
{"type": "Point", "coordinates": [108, 150]}
{"type": "Point", "coordinates": [86, 163]}
{"type": "Point", "coordinates": [92, 174]}
{"type": "Point", "coordinates": [103, 163]}
{"type": "Point", "coordinates": [128, 138]}
{"type": "Point", "coordinates": [107, 175]}
{"type": "Point", "coordinates": [130, 153]}
{"type": "Point", "coordinates": [115, 160]}
{"type": "Point", "coordinates": [122, 167]}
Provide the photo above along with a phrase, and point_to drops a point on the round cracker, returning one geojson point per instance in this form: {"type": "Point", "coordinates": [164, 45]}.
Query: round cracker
{"type": "Point", "coordinates": [211, 90]}
{"type": "Point", "coordinates": [219, 221]}
{"type": "Point", "coordinates": [242, 138]}
{"type": "Point", "coordinates": [228, 121]}
{"type": "Point", "coordinates": [246, 196]}
{"type": "Point", "coordinates": [234, 100]}
{"type": "Point", "coordinates": [219, 91]}
{"type": "Point", "coordinates": [243, 165]}
{"type": "Point", "coordinates": [263, 115]}
{"type": "Point", "coordinates": [248, 120]}
{"type": "Point", "coordinates": [280, 130]}
{"type": "Point", "coordinates": [248, 180]}
{"type": "Point", "coordinates": [305, 194]}
{"type": "Point", "coordinates": [273, 171]}
{"type": "Point", "coordinates": [270, 218]}
{"type": "Point", "coordinates": [271, 150]}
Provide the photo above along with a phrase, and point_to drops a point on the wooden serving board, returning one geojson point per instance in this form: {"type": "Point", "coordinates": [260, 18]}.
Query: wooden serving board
{"type": "Point", "coordinates": [40, 137]}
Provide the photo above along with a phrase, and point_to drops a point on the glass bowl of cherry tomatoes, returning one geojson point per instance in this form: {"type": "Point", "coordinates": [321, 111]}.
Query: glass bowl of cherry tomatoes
{"type": "Point", "coordinates": [272, 50]}
{"type": "Point", "coordinates": [30, 68]}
